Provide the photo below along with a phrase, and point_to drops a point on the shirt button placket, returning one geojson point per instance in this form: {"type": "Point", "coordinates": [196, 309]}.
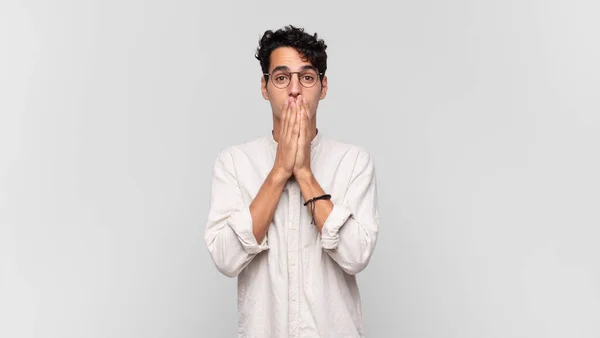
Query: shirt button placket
{"type": "Point", "coordinates": [293, 238]}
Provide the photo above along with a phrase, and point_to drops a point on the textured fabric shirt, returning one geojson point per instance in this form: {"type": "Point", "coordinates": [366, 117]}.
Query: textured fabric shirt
{"type": "Point", "coordinates": [297, 282]}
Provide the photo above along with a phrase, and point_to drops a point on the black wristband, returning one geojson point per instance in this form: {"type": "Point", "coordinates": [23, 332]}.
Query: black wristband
{"type": "Point", "coordinates": [322, 197]}
{"type": "Point", "coordinates": [312, 206]}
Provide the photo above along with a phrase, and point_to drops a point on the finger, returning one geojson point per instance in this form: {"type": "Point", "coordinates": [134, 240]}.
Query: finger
{"type": "Point", "coordinates": [284, 118]}
{"type": "Point", "coordinates": [306, 125]}
{"type": "Point", "coordinates": [299, 103]}
{"type": "Point", "coordinates": [305, 115]}
{"type": "Point", "coordinates": [294, 121]}
{"type": "Point", "coordinates": [306, 111]}
{"type": "Point", "coordinates": [305, 104]}
{"type": "Point", "coordinates": [302, 127]}
{"type": "Point", "coordinates": [298, 108]}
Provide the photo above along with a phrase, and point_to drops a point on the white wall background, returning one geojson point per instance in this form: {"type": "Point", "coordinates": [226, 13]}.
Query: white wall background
{"type": "Point", "coordinates": [483, 117]}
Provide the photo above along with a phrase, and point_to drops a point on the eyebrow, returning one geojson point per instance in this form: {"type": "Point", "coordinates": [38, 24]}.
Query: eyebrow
{"type": "Point", "coordinates": [287, 69]}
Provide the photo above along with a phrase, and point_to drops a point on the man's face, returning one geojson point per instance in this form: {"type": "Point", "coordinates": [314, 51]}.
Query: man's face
{"type": "Point", "coordinates": [286, 60]}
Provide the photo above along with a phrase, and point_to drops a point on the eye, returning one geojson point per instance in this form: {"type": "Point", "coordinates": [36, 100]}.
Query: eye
{"type": "Point", "coordinates": [281, 77]}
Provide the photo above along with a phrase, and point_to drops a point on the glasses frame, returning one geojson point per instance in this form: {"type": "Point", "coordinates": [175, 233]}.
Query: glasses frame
{"type": "Point", "coordinates": [269, 75]}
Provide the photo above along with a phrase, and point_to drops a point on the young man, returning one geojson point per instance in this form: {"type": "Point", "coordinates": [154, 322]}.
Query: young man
{"type": "Point", "coordinates": [293, 214]}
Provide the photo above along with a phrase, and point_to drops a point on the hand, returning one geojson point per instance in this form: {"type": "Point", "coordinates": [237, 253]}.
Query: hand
{"type": "Point", "coordinates": [287, 145]}
{"type": "Point", "coordinates": [302, 163]}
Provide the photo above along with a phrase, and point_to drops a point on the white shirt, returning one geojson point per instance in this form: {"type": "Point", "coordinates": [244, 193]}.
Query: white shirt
{"type": "Point", "coordinates": [297, 282]}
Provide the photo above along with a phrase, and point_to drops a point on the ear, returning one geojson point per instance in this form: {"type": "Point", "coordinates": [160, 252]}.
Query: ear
{"type": "Point", "coordinates": [263, 88]}
{"type": "Point", "coordinates": [323, 87]}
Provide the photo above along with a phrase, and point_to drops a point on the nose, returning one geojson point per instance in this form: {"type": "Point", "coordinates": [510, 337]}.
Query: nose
{"type": "Point", "coordinates": [295, 88]}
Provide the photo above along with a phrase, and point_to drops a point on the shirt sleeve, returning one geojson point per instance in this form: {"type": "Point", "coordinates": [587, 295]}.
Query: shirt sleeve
{"type": "Point", "coordinates": [349, 233]}
{"type": "Point", "coordinates": [228, 235]}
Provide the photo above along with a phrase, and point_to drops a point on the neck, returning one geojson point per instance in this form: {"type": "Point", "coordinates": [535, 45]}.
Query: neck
{"type": "Point", "coordinates": [312, 128]}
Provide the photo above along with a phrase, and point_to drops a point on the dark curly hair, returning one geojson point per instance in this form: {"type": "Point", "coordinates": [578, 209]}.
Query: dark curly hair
{"type": "Point", "coordinates": [308, 46]}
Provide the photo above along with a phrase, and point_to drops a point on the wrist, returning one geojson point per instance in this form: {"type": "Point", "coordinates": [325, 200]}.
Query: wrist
{"type": "Point", "coordinates": [303, 175]}
{"type": "Point", "coordinates": [279, 176]}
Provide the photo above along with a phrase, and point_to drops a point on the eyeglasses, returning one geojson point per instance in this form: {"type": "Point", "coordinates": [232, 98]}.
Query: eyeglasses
{"type": "Point", "coordinates": [281, 79]}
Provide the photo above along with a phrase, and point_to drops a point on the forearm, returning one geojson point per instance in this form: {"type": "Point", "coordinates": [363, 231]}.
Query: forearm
{"type": "Point", "coordinates": [264, 204]}
{"type": "Point", "coordinates": [311, 188]}
{"type": "Point", "coordinates": [348, 225]}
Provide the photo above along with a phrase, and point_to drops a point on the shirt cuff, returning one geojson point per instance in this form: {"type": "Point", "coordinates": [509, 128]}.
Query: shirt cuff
{"type": "Point", "coordinates": [330, 233]}
{"type": "Point", "coordinates": [241, 224]}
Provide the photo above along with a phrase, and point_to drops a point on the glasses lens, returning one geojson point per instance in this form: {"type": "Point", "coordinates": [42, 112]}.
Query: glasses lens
{"type": "Point", "coordinates": [281, 79]}
{"type": "Point", "coordinates": [308, 78]}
